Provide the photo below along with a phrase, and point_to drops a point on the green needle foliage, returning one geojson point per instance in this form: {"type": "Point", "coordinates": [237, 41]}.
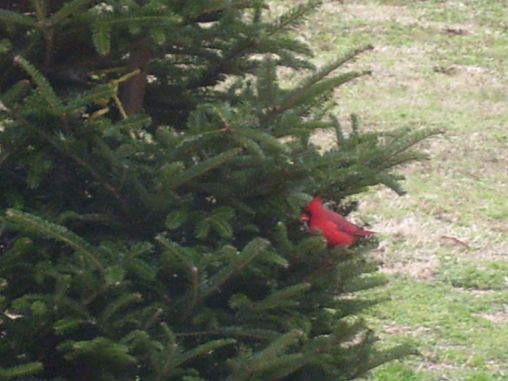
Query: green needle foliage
{"type": "Point", "coordinates": [153, 171]}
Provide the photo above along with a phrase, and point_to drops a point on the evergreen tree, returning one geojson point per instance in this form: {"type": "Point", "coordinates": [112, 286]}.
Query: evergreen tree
{"type": "Point", "coordinates": [153, 171]}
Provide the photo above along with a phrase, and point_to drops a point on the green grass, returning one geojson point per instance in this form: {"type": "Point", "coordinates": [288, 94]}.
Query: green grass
{"type": "Point", "coordinates": [475, 274]}
{"type": "Point", "coordinates": [455, 330]}
{"type": "Point", "coordinates": [444, 246]}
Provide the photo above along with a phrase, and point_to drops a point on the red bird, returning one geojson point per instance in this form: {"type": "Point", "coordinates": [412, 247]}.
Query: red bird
{"type": "Point", "coordinates": [335, 228]}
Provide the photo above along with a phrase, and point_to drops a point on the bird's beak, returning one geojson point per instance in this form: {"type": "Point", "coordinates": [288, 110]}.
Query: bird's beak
{"type": "Point", "coordinates": [304, 217]}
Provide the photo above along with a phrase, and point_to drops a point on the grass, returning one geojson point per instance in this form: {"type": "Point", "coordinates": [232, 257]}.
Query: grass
{"type": "Point", "coordinates": [444, 247]}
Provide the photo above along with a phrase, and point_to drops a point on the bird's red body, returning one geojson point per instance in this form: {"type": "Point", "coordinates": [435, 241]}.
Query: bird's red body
{"type": "Point", "coordinates": [334, 227]}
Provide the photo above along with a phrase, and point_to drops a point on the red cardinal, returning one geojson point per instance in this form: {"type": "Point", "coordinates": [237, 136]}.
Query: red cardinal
{"type": "Point", "coordinates": [335, 228]}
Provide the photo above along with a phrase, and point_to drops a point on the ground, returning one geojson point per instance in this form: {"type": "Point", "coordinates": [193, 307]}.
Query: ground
{"type": "Point", "coordinates": [444, 246]}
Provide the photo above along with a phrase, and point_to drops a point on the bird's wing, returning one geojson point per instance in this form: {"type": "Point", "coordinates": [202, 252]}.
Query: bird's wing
{"type": "Point", "coordinates": [335, 236]}
{"type": "Point", "coordinates": [346, 226]}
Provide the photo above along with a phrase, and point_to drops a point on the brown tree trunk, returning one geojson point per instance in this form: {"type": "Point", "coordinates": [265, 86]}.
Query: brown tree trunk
{"type": "Point", "coordinates": [132, 92]}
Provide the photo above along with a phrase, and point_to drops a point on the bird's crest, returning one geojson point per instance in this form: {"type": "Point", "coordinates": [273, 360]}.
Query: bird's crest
{"type": "Point", "coordinates": [315, 205]}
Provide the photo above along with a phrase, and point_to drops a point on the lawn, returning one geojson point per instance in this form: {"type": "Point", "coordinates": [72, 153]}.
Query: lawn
{"type": "Point", "coordinates": [444, 246]}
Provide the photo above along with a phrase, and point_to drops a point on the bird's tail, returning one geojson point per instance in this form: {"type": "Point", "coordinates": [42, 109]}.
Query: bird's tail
{"type": "Point", "coordinates": [366, 233]}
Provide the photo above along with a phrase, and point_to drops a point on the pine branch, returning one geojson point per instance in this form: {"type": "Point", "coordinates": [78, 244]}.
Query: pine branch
{"type": "Point", "coordinates": [38, 226]}
{"type": "Point", "coordinates": [66, 325]}
{"type": "Point", "coordinates": [394, 152]}
{"type": "Point", "coordinates": [42, 83]}
{"type": "Point", "coordinates": [200, 350]}
{"type": "Point", "coordinates": [176, 219]}
{"type": "Point", "coordinates": [252, 250]}
{"type": "Point", "coordinates": [175, 359]}
{"type": "Point", "coordinates": [285, 297]}
{"type": "Point", "coordinates": [332, 66]}
{"type": "Point", "coordinates": [401, 159]}
{"type": "Point", "coordinates": [281, 366]}
{"type": "Point", "coordinates": [101, 37]}
{"type": "Point", "coordinates": [70, 215]}
{"type": "Point", "coordinates": [314, 84]}
{"type": "Point", "coordinates": [355, 125]}
{"type": "Point", "coordinates": [294, 17]}
{"type": "Point", "coordinates": [15, 93]}
{"type": "Point", "coordinates": [390, 182]}
{"type": "Point", "coordinates": [281, 238]}
{"type": "Point", "coordinates": [68, 9]}
{"type": "Point", "coordinates": [266, 139]}
{"type": "Point", "coordinates": [260, 360]}
{"type": "Point", "coordinates": [47, 32]}
{"type": "Point", "coordinates": [64, 148]}
{"type": "Point", "coordinates": [377, 358]}
{"type": "Point", "coordinates": [21, 371]}
{"type": "Point", "coordinates": [169, 335]}
{"type": "Point", "coordinates": [249, 332]}
{"type": "Point", "coordinates": [339, 132]}
{"type": "Point", "coordinates": [9, 17]}
{"type": "Point", "coordinates": [202, 168]}
{"type": "Point", "coordinates": [219, 221]}
{"type": "Point", "coordinates": [175, 251]}
{"type": "Point", "coordinates": [118, 304]}
{"type": "Point", "coordinates": [99, 347]}
{"type": "Point", "coordinates": [95, 95]}
{"type": "Point", "coordinates": [242, 46]}
{"type": "Point", "coordinates": [102, 27]}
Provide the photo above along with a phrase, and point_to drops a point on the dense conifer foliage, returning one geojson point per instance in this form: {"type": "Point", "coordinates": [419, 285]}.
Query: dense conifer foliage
{"type": "Point", "coordinates": [153, 170]}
